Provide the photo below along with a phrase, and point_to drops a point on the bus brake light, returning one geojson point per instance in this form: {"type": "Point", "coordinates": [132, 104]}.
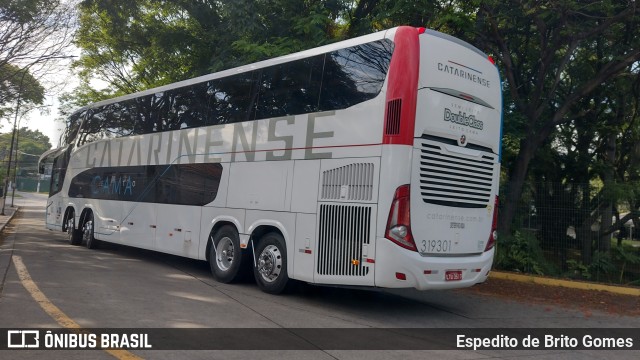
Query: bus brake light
{"type": "Point", "coordinates": [399, 223]}
{"type": "Point", "coordinates": [493, 236]}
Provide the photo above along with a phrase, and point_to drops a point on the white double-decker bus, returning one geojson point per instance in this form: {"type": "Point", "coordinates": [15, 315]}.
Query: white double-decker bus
{"type": "Point", "coordinates": [368, 162]}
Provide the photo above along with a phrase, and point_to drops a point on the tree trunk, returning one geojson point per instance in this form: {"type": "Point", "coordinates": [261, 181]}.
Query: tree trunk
{"type": "Point", "coordinates": [583, 234]}
{"type": "Point", "coordinates": [513, 191]}
{"type": "Point", "coordinates": [608, 179]}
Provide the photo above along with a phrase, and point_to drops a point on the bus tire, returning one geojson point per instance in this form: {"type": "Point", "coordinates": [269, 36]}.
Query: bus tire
{"type": "Point", "coordinates": [74, 236]}
{"type": "Point", "coordinates": [88, 232]}
{"type": "Point", "coordinates": [225, 255]}
{"type": "Point", "coordinates": [270, 268]}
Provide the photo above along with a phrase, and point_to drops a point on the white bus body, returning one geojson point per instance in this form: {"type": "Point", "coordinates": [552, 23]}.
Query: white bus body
{"type": "Point", "coordinates": [385, 174]}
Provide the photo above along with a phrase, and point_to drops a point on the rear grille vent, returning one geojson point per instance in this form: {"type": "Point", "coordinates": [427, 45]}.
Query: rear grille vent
{"type": "Point", "coordinates": [342, 231]}
{"type": "Point", "coordinates": [394, 108]}
{"type": "Point", "coordinates": [454, 179]}
{"type": "Point", "coordinates": [349, 182]}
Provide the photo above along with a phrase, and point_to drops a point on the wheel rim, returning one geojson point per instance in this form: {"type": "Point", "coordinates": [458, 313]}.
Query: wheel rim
{"type": "Point", "coordinates": [70, 226]}
{"type": "Point", "coordinates": [87, 231]}
{"type": "Point", "coordinates": [224, 253]}
{"type": "Point", "coordinates": [270, 263]}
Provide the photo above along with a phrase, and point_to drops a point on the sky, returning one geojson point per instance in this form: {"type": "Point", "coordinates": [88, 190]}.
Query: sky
{"type": "Point", "coordinates": [44, 122]}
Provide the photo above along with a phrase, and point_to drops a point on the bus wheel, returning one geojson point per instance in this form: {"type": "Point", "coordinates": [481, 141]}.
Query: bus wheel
{"type": "Point", "coordinates": [225, 256]}
{"type": "Point", "coordinates": [271, 264]}
{"type": "Point", "coordinates": [87, 232]}
{"type": "Point", "coordinates": [74, 236]}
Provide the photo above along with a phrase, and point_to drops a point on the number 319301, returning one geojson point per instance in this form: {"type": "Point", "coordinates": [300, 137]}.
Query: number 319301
{"type": "Point", "coordinates": [435, 246]}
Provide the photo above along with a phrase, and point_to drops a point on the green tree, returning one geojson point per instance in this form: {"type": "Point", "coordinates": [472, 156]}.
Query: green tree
{"type": "Point", "coordinates": [35, 35]}
{"type": "Point", "coordinates": [31, 144]}
{"type": "Point", "coordinates": [537, 44]}
{"type": "Point", "coordinates": [143, 44]}
{"type": "Point", "coordinates": [19, 84]}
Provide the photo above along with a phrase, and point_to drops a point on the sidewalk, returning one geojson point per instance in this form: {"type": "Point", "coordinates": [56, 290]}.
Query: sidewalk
{"type": "Point", "coordinates": [9, 212]}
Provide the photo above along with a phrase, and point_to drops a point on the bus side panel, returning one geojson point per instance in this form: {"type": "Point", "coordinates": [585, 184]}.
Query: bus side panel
{"type": "Point", "coordinates": [178, 229]}
{"type": "Point", "coordinates": [54, 212]}
{"type": "Point", "coordinates": [304, 202]}
{"type": "Point", "coordinates": [107, 215]}
{"type": "Point", "coordinates": [304, 248]}
{"type": "Point", "coordinates": [304, 196]}
{"type": "Point", "coordinates": [260, 185]}
{"type": "Point", "coordinates": [139, 224]}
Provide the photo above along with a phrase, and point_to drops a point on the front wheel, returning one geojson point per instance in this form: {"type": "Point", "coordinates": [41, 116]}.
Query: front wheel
{"type": "Point", "coordinates": [271, 264]}
{"type": "Point", "coordinates": [74, 236]}
{"type": "Point", "coordinates": [87, 232]}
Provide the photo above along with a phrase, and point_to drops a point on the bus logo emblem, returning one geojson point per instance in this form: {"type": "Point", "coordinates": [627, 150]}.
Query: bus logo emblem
{"type": "Point", "coordinates": [463, 140]}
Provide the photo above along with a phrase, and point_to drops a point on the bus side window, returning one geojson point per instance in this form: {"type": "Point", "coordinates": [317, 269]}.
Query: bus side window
{"type": "Point", "coordinates": [71, 130]}
{"type": "Point", "coordinates": [187, 107]}
{"type": "Point", "coordinates": [108, 121]}
{"type": "Point", "coordinates": [290, 89]}
{"type": "Point", "coordinates": [355, 74]}
{"type": "Point", "coordinates": [232, 99]}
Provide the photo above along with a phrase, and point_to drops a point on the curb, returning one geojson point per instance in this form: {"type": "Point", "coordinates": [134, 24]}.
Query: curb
{"type": "Point", "coordinates": [2, 226]}
{"type": "Point", "coordinates": [582, 285]}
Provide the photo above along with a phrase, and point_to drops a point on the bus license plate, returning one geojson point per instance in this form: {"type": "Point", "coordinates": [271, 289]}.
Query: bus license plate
{"type": "Point", "coordinates": [453, 275]}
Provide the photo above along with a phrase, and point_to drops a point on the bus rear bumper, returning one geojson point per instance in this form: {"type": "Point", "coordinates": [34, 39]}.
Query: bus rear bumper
{"type": "Point", "coordinates": [397, 267]}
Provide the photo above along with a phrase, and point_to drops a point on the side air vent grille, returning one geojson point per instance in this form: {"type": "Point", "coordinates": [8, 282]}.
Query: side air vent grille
{"type": "Point", "coordinates": [342, 231]}
{"type": "Point", "coordinates": [393, 117]}
{"type": "Point", "coordinates": [349, 182]}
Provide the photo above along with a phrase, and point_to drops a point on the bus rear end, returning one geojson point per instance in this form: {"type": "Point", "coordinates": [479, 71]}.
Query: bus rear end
{"type": "Point", "coordinates": [441, 226]}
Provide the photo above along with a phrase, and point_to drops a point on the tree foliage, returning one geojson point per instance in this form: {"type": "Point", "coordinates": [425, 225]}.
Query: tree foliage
{"type": "Point", "coordinates": [18, 84]}
{"type": "Point", "coordinates": [31, 144]}
{"type": "Point", "coordinates": [137, 45]}
{"type": "Point", "coordinates": [34, 36]}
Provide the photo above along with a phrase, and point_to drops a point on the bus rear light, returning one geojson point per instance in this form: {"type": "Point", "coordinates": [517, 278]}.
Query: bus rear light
{"type": "Point", "coordinates": [399, 223]}
{"type": "Point", "coordinates": [401, 276]}
{"type": "Point", "coordinates": [421, 30]}
{"type": "Point", "coordinates": [493, 236]}
{"type": "Point", "coordinates": [492, 60]}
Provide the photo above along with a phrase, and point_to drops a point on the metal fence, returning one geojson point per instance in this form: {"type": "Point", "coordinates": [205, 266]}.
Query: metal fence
{"type": "Point", "coordinates": [560, 230]}
{"type": "Point", "coordinates": [32, 184]}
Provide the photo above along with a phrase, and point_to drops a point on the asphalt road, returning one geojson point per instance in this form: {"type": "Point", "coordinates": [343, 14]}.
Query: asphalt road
{"type": "Point", "coordinates": [122, 287]}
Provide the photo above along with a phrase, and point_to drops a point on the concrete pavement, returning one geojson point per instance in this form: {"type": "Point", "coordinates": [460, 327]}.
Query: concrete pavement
{"type": "Point", "coordinates": [20, 199]}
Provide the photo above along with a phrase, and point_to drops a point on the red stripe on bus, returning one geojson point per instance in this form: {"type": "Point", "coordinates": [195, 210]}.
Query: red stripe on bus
{"type": "Point", "coordinates": [403, 84]}
{"type": "Point", "coordinates": [298, 148]}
